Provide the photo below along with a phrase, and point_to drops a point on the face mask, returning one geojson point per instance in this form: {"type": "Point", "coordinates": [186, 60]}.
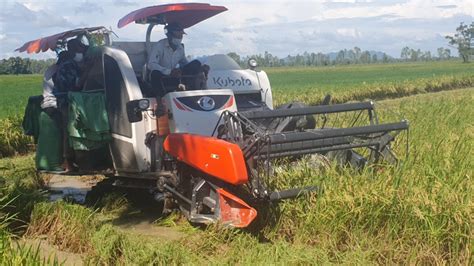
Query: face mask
{"type": "Point", "coordinates": [78, 57]}
{"type": "Point", "coordinates": [176, 41]}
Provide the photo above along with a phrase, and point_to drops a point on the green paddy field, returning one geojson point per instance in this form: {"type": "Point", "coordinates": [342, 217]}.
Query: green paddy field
{"type": "Point", "coordinates": [309, 85]}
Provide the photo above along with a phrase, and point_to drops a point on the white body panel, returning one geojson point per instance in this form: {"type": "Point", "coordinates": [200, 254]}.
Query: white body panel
{"type": "Point", "coordinates": [185, 113]}
{"type": "Point", "coordinates": [140, 153]}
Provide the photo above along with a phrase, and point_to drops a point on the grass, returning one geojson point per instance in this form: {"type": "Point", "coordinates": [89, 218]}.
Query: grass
{"type": "Point", "coordinates": [421, 209]}
{"type": "Point", "coordinates": [342, 78]}
{"type": "Point", "coordinates": [304, 83]}
{"type": "Point", "coordinates": [358, 82]}
{"type": "Point", "coordinates": [419, 212]}
{"type": "Point", "coordinates": [67, 226]}
{"type": "Point", "coordinates": [12, 253]}
{"type": "Point", "coordinates": [20, 191]}
{"type": "Point", "coordinates": [12, 139]}
{"type": "Point", "coordinates": [15, 90]}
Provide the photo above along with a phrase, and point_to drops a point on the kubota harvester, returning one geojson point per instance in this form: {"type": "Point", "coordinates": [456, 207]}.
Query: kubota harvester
{"type": "Point", "coordinates": [208, 152]}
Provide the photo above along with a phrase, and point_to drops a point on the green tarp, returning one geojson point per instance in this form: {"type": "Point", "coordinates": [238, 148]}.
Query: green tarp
{"type": "Point", "coordinates": [31, 119]}
{"type": "Point", "coordinates": [88, 128]}
{"type": "Point", "coordinates": [88, 125]}
{"type": "Point", "coordinates": [46, 134]}
{"type": "Point", "coordinates": [49, 153]}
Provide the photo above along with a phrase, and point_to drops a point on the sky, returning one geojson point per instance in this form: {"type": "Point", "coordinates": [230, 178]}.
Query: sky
{"type": "Point", "coordinates": [281, 27]}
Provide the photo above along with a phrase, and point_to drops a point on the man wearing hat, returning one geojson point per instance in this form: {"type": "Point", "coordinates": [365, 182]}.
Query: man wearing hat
{"type": "Point", "coordinates": [70, 76]}
{"type": "Point", "coordinates": [167, 60]}
{"type": "Point", "coordinates": [69, 69]}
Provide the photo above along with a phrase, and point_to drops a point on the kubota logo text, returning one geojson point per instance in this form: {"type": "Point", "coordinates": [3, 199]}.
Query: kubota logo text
{"type": "Point", "coordinates": [225, 82]}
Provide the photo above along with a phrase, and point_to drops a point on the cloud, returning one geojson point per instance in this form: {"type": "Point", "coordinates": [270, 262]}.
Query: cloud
{"type": "Point", "coordinates": [447, 6]}
{"type": "Point", "coordinates": [20, 16]}
{"type": "Point", "coordinates": [349, 32]}
{"type": "Point", "coordinates": [227, 30]}
{"type": "Point", "coordinates": [253, 20]}
{"type": "Point", "coordinates": [16, 12]}
{"type": "Point", "coordinates": [19, 24]}
{"type": "Point", "coordinates": [280, 27]}
{"type": "Point", "coordinates": [388, 33]}
{"type": "Point", "coordinates": [88, 7]}
{"type": "Point", "coordinates": [124, 3]}
{"type": "Point", "coordinates": [345, 4]}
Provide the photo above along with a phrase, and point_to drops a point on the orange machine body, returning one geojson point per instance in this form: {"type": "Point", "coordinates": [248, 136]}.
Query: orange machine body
{"type": "Point", "coordinates": [218, 158]}
{"type": "Point", "coordinates": [234, 211]}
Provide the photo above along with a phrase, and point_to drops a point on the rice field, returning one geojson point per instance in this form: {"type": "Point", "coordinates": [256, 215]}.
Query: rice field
{"type": "Point", "coordinates": [359, 82]}
{"type": "Point", "coordinates": [420, 212]}
{"type": "Point", "coordinates": [309, 85]}
{"type": "Point", "coordinates": [14, 92]}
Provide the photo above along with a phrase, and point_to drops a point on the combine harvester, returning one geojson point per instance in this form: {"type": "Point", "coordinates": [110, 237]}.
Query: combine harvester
{"type": "Point", "coordinates": [209, 152]}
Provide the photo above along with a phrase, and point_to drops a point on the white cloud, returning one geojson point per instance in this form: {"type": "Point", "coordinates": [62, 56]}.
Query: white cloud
{"type": "Point", "coordinates": [88, 8]}
{"type": "Point", "coordinates": [19, 16]}
{"type": "Point", "coordinates": [281, 27]}
{"type": "Point", "coordinates": [349, 32]}
{"type": "Point", "coordinates": [447, 6]}
{"type": "Point", "coordinates": [125, 3]}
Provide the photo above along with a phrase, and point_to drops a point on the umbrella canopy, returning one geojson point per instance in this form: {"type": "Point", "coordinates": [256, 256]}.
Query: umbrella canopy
{"type": "Point", "coordinates": [50, 42]}
{"type": "Point", "coordinates": [186, 14]}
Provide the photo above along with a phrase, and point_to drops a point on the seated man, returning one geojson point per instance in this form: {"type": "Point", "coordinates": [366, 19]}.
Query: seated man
{"type": "Point", "coordinates": [168, 64]}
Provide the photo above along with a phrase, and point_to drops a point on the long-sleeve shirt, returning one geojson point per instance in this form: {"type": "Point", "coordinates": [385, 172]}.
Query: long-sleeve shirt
{"type": "Point", "coordinates": [67, 78]}
{"type": "Point", "coordinates": [164, 59]}
{"type": "Point", "coordinates": [49, 100]}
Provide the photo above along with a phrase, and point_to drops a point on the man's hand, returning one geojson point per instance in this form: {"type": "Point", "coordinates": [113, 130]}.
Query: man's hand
{"type": "Point", "coordinates": [205, 68]}
{"type": "Point", "coordinates": [50, 111]}
{"type": "Point", "coordinates": [175, 73]}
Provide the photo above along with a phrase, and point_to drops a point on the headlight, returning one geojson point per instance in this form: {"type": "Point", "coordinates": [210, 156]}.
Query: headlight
{"type": "Point", "coordinates": [143, 104]}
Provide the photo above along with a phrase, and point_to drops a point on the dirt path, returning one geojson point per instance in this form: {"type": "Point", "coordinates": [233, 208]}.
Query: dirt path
{"type": "Point", "coordinates": [49, 252]}
{"type": "Point", "coordinates": [70, 186]}
{"type": "Point", "coordinates": [135, 221]}
{"type": "Point", "coordinates": [132, 226]}
{"type": "Point", "coordinates": [145, 227]}
{"type": "Point", "coordinates": [140, 226]}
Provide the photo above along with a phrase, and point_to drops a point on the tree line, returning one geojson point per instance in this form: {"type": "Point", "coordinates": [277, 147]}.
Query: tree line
{"type": "Point", "coordinates": [343, 57]}
{"type": "Point", "coordinates": [18, 65]}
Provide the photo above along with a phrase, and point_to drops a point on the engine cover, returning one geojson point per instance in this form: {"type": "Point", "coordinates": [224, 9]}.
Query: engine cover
{"type": "Point", "coordinates": [198, 112]}
{"type": "Point", "coordinates": [216, 157]}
